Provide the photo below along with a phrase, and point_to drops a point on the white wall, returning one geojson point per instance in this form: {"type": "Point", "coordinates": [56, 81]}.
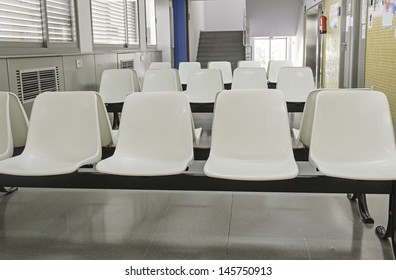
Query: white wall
{"type": "Point", "coordinates": [273, 17]}
{"type": "Point", "coordinates": [310, 3]}
{"type": "Point", "coordinates": [223, 15]}
{"type": "Point", "coordinates": [163, 29]}
{"type": "Point", "coordinates": [196, 25]}
{"type": "Point", "coordinates": [297, 42]}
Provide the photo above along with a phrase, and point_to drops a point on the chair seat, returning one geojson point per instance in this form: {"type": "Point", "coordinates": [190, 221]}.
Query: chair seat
{"type": "Point", "coordinates": [382, 169]}
{"type": "Point", "coordinates": [119, 165]}
{"type": "Point", "coordinates": [200, 99]}
{"type": "Point", "coordinates": [27, 165]}
{"type": "Point", "coordinates": [251, 170]}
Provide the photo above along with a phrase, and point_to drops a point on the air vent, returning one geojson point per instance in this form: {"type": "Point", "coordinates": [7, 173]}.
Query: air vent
{"type": "Point", "coordinates": [32, 82]}
{"type": "Point", "coordinates": [126, 64]}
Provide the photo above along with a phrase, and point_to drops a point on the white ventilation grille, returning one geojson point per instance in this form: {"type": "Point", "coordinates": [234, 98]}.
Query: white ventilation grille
{"type": "Point", "coordinates": [126, 64]}
{"type": "Point", "coordinates": [32, 82]}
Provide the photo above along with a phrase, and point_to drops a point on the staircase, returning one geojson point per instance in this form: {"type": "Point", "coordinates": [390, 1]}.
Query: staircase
{"type": "Point", "coordinates": [221, 46]}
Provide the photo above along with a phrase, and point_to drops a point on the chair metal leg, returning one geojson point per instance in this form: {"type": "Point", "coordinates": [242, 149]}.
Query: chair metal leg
{"type": "Point", "coordinates": [390, 230]}
{"type": "Point", "coordinates": [363, 209]}
{"type": "Point", "coordinates": [116, 120]}
{"type": "Point", "coordinates": [8, 190]}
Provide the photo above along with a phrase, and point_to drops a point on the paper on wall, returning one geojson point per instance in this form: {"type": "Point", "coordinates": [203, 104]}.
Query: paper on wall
{"type": "Point", "coordinates": [370, 17]}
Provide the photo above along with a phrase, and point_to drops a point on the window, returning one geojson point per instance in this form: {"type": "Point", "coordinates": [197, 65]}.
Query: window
{"type": "Point", "coordinates": [27, 21]}
{"type": "Point", "coordinates": [61, 20]}
{"type": "Point", "coordinates": [270, 48]}
{"type": "Point", "coordinates": [151, 28]}
{"type": "Point", "coordinates": [115, 22]}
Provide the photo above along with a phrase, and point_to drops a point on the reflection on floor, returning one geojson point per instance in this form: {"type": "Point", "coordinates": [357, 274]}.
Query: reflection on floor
{"type": "Point", "coordinates": [122, 224]}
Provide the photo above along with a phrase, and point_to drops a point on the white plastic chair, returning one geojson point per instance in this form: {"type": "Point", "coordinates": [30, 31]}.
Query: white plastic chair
{"type": "Point", "coordinates": [249, 78]}
{"type": "Point", "coordinates": [249, 64]}
{"type": "Point", "coordinates": [108, 136]}
{"type": "Point", "coordinates": [273, 69]}
{"type": "Point", "coordinates": [250, 137]}
{"type": "Point", "coordinates": [352, 136]}
{"type": "Point", "coordinates": [296, 83]}
{"type": "Point", "coordinates": [160, 65]}
{"type": "Point", "coordinates": [161, 80]}
{"type": "Point", "coordinates": [156, 136]}
{"type": "Point", "coordinates": [304, 135]}
{"type": "Point", "coordinates": [6, 145]}
{"type": "Point", "coordinates": [308, 116]}
{"type": "Point", "coordinates": [13, 124]}
{"type": "Point", "coordinates": [204, 85]}
{"type": "Point", "coordinates": [224, 67]}
{"type": "Point", "coordinates": [185, 68]}
{"type": "Point", "coordinates": [116, 84]}
{"type": "Point", "coordinates": [19, 121]}
{"type": "Point", "coordinates": [63, 136]}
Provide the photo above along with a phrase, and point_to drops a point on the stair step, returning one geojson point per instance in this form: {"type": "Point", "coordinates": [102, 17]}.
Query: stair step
{"type": "Point", "coordinates": [221, 46]}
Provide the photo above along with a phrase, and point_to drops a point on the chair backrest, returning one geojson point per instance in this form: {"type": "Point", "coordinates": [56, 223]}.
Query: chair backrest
{"type": "Point", "coordinates": [309, 114]}
{"type": "Point", "coordinates": [273, 69]}
{"type": "Point", "coordinates": [203, 85]}
{"type": "Point", "coordinates": [251, 124]}
{"type": "Point", "coordinates": [160, 65]}
{"type": "Point", "coordinates": [249, 78]}
{"type": "Point", "coordinates": [224, 67]}
{"type": "Point", "coordinates": [116, 84]}
{"type": "Point", "coordinates": [106, 137]}
{"type": "Point", "coordinates": [161, 80]}
{"type": "Point", "coordinates": [352, 125]}
{"type": "Point", "coordinates": [65, 126]}
{"type": "Point", "coordinates": [296, 83]}
{"type": "Point", "coordinates": [6, 145]}
{"type": "Point", "coordinates": [19, 121]}
{"type": "Point", "coordinates": [308, 118]}
{"type": "Point", "coordinates": [185, 68]}
{"type": "Point", "coordinates": [156, 125]}
{"type": "Point", "coordinates": [249, 64]}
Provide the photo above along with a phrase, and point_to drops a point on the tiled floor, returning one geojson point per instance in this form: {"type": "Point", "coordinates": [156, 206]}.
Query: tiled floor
{"type": "Point", "coordinates": [122, 224]}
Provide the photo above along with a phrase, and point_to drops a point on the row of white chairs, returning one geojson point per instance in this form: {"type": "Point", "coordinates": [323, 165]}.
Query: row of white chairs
{"type": "Point", "coordinates": [185, 68]}
{"type": "Point", "coordinates": [202, 87]}
{"type": "Point", "coordinates": [204, 84]}
{"type": "Point", "coordinates": [355, 141]}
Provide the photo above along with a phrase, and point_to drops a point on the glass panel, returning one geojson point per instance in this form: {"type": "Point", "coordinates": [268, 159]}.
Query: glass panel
{"type": "Point", "coordinates": [151, 23]}
{"type": "Point", "coordinates": [278, 49]}
{"type": "Point", "coordinates": [262, 51]}
{"type": "Point", "coordinates": [61, 20]}
{"type": "Point", "coordinates": [133, 22]}
{"type": "Point", "coordinates": [108, 21]}
{"type": "Point", "coordinates": [20, 20]}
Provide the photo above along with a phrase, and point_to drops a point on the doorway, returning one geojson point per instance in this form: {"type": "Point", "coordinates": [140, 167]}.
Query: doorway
{"type": "Point", "coordinates": [180, 31]}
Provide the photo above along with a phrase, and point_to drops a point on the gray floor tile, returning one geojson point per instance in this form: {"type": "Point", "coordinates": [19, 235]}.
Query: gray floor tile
{"type": "Point", "coordinates": [332, 249]}
{"type": "Point", "coordinates": [186, 247]}
{"type": "Point", "coordinates": [246, 248]}
{"type": "Point", "coordinates": [122, 224]}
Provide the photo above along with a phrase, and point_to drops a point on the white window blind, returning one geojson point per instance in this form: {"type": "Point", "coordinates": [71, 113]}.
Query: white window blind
{"type": "Point", "coordinates": [20, 20]}
{"type": "Point", "coordinates": [61, 20]}
{"type": "Point", "coordinates": [133, 22]}
{"type": "Point", "coordinates": [108, 21]}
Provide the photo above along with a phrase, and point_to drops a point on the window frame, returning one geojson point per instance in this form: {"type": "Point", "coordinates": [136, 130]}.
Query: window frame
{"type": "Point", "coordinates": [270, 39]}
{"type": "Point", "coordinates": [151, 46]}
{"type": "Point", "coordinates": [126, 45]}
{"type": "Point", "coordinates": [10, 48]}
